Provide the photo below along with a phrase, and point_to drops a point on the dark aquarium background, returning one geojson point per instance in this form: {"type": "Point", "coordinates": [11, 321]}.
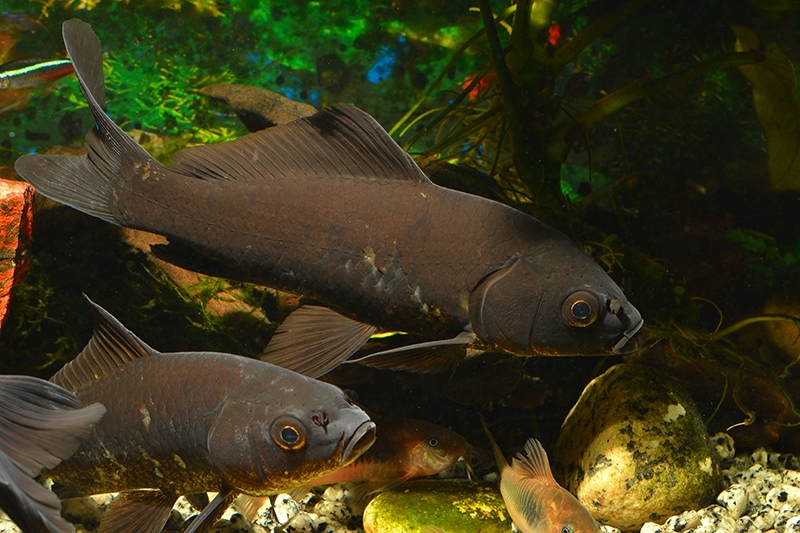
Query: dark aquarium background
{"type": "Point", "coordinates": [664, 137]}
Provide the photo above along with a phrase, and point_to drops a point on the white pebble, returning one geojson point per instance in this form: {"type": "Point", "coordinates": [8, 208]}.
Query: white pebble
{"type": "Point", "coordinates": [651, 527]}
{"type": "Point", "coordinates": [792, 525]}
{"type": "Point", "coordinates": [716, 519]}
{"type": "Point", "coordinates": [764, 518]}
{"type": "Point", "coordinates": [300, 523]}
{"type": "Point", "coordinates": [335, 510]}
{"type": "Point", "coordinates": [285, 508]}
{"type": "Point", "coordinates": [609, 529]}
{"type": "Point", "coordinates": [746, 525]}
{"type": "Point", "coordinates": [723, 444]}
{"type": "Point", "coordinates": [334, 493]}
{"type": "Point", "coordinates": [782, 495]}
{"type": "Point", "coordinates": [734, 499]}
{"type": "Point", "coordinates": [683, 522]}
{"type": "Point", "coordinates": [791, 478]}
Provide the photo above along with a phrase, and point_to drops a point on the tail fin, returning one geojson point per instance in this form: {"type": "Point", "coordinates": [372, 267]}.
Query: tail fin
{"type": "Point", "coordinates": [40, 425]}
{"type": "Point", "coordinates": [87, 182]}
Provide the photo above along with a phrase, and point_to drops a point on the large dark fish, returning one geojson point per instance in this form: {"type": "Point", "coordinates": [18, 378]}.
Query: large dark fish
{"type": "Point", "coordinates": [187, 423]}
{"type": "Point", "coordinates": [330, 207]}
{"type": "Point", "coordinates": [40, 425]}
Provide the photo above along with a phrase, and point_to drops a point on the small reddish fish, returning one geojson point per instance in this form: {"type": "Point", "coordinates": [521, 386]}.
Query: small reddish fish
{"type": "Point", "coordinates": [404, 449]}
{"type": "Point", "coordinates": [30, 73]}
{"type": "Point", "coordinates": [534, 499]}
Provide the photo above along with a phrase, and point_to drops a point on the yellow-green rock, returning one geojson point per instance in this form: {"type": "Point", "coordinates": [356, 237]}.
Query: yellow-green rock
{"type": "Point", "coordinates": [451, 505]}
{"type": "Point", "coordinates": [634, 449]}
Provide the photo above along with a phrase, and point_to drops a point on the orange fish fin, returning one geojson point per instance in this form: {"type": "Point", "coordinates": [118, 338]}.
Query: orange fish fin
{"type": "Point", "coordinates": [213, 511]}
{"type": "Point", "coordinates": [112, 345]}
{"type": "Point", "coordinates": [533, 462]}
{"type": "Point", "coordinates": [141, 511]}
{"type": "Point", "coordinates": [424, 357]}
{"type": "Point", "coordinates": [314, 340]}
{"type": "Point", "coordinates": [499, 458]}
{"type": "Point", "coordinates": [248, 506]}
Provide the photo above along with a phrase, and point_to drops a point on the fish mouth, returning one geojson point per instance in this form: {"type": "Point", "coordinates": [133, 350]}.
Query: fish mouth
{"type": "Point", "coordinates": [363, 437]}
{"type": "Point", "coordinates": [627, 314]}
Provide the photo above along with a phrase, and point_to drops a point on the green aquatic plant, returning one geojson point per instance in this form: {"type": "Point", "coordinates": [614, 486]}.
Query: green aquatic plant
{"type": "Point", "coordinates": [513, 111]}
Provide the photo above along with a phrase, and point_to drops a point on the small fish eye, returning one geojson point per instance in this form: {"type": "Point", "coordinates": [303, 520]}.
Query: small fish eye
{"type": "Point", "coordinates": [433, 442]}
{"type": "Point", "coordinates": [580, 309]}
{"type": "Point", "coordinates": [288, 434]}
{"type": "Point", "coordinates": [567, 529]}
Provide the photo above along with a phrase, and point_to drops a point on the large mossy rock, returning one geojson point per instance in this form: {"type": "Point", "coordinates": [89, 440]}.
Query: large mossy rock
{"type": "Point", "coordinates": [634, 449]}
{"type": "Point", "coordinates": [452, 505]}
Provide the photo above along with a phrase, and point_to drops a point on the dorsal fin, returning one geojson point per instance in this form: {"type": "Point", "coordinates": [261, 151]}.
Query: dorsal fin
{"type": "Point", "coordinates": [112, 345]}
{"type": "Point", "coordinates": [341, 141]}
{"type": "Point", "coordinates": [534, 462]}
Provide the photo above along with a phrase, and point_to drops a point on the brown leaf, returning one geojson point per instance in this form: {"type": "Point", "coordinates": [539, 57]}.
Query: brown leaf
{"type": "Point", "coordinates": [773, 83]}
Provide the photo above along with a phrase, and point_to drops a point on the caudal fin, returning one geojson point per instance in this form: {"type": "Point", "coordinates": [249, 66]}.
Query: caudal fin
{"type": "Point", "coordinates": [40, 425]}
{"type": "Point", "coordinates": [87, 182]}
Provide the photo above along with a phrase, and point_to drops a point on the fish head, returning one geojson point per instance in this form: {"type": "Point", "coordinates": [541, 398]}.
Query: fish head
{"type": "Point", "coordinates": [276, 434]}
{"type": "Point", "coordinates": [434, 448]}
{"type": "Point", "coordinates": [556, 301]}
{"type": "Point", "coordinates": [547, 508]}
{"type": "Point", "coordinates": [563, 513]}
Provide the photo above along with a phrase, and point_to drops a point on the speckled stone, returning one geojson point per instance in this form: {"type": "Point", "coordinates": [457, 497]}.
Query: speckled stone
{"type": "Point", "coordinates": [452, 505]}
{"type": "Point", "coordinates": [634, 449]}
{"type": "Point", "coordinates": [285, 508]}
{"type": "Point", "coordinates": [734, 499]}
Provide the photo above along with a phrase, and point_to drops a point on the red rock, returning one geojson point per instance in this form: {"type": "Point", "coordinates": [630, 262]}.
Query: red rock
{"type": "Point", "coordinates": [16, 218]}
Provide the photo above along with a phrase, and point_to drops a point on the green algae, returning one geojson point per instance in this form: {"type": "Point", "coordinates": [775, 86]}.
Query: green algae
{"type": "Point", "coordinates": [451, 505]}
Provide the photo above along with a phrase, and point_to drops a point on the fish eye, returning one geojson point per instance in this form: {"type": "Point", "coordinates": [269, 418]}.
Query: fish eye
{"type": "Point", "coordinates": [567, 529]}
{"type": "Point", "coordinates": [433, 442]}
{"type": "Point", "coordinates": [288, 433]}
{"type": "Point", "coordinates": [580, 309]}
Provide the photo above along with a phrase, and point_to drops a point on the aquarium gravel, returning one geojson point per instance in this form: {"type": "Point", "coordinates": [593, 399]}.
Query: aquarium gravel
{"type": "Point", "coordinates": [762, 495]}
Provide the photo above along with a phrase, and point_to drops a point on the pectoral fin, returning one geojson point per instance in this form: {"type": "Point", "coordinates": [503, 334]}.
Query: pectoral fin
{"type": "Point", "coordinates": [424, 357]}
{"type": "Point", "coordinates": [248, 506]}
{"type": "Point", "coordinates": [142, 511]}
{"type": "Point", "coordinates": [314, 340]}
{"type": "Point", "coordinates": [213, 511]}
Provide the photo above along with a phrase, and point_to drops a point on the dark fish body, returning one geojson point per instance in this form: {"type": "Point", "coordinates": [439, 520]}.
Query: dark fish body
{"type": "Point", "coordinates": [172, 424]}
{"type": "Point", "coordinates": [328, 206]}
{"type": "Point", "coordinates": [193, 422]}
{"type": "Point", "coordinates": [40, 425]}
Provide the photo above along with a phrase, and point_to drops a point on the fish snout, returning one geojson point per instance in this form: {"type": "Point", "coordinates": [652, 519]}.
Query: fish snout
{"type": "Point", "coordinates": [363, 437]}
{"type": "Point", "coordinates": [629, 317]}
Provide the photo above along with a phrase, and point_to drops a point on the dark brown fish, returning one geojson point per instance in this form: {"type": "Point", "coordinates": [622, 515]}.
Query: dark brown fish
{"type": "Point", "coordinates": [40, 425]}
{"type": "Point", "coordinates": [186, 423]}
{"type": "Point", "coordinates": [328, 206]}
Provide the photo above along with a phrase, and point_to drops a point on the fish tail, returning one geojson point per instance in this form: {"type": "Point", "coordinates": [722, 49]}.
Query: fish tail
{"type": "Point", "coordinates": [502, 464]}
{"type": "Point", "coordinates": [40, 425]}
{"type": "Point", "coordinates": [87, 183]}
